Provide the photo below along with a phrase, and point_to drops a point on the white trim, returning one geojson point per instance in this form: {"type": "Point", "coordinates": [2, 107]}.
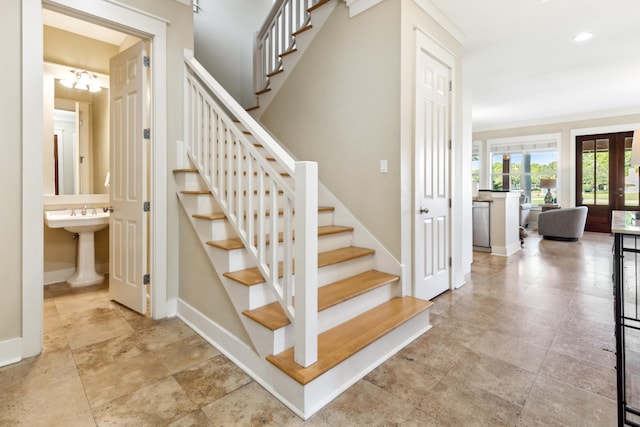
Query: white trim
{"type": "Point", "coordinates": [33, 239]}
{"type": "Point", "coordinates": [10, 351]}
{"type": "Point", "coordinates": [527, 139]}
{"type": "Point", "coordinates": [554, 120]}
{"type": "Point", "coordinates": [235, 350]}
{"type": "Point", "coordinates": [138, 11]}
{"type": "Point", "coordinates": [32, 179]}
{"type": "Point", "coordinates": [575, 132]}
{"type": "Point", "coordinates": [442, 19]}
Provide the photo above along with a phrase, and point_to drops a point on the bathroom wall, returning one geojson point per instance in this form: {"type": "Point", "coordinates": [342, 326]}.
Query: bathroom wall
{"type": "Point", "coordinates": [73, 50]}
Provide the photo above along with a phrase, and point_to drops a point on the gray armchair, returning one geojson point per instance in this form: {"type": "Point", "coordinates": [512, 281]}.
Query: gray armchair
{"type": "Point", "coordinates": [563, 224]}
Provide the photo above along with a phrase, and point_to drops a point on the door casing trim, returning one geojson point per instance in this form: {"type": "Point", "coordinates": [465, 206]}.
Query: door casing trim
{"type": "Point", "coordinates": [125, 20]}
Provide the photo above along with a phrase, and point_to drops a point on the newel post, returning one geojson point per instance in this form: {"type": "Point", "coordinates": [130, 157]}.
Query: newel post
{"type": "Point", "coordinates": [306, 264]}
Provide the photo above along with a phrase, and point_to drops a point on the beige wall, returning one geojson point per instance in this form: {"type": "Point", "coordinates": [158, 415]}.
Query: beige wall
{"type": "Point", "coordinates": [340, 107]}
{"type": "Point", "coordinates": [200, 286]}
{"type": "Point", "coordinates": [10, 173]}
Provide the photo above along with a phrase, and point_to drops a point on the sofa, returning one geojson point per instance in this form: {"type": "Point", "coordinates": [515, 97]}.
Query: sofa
{"type": "Point", "coordinates": [563, 224]}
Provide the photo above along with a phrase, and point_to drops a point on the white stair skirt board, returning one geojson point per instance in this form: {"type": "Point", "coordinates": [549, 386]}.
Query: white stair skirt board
{"type": "Point", "coordinates": [306, 400]}
{"type": "Point", "coordinates": [10, 351]}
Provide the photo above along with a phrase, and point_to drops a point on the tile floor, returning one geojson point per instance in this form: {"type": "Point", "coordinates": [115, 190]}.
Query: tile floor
{"type": "Point", "coordinates": [527, 342]}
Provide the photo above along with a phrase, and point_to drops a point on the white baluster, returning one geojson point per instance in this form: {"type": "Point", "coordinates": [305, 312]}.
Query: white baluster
{"type": "Point", "coordinates": [306, 256]}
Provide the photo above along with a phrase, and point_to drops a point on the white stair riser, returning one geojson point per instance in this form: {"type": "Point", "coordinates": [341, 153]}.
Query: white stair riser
{"type": "Point", "coordinates": [333, 273]}
{"type": "Point", "coordinates": [234, 260]}
{"type": "Point", "coordinates": [325, 218]}
{"type": "Point", "coordinates": [330, 242]}
{"type": "Point", "coordinates": [249, 297]}
{"type": "Point", "coordinates": [239, 258]}
{"type": "Point", "coordinates": [340, 313]}
{"type": "Point", "coordinates": [200, 203]}
{"type": "Point", "coordinates": [188, 181]}
{"type": "Point", "coordinates": [264, 340]}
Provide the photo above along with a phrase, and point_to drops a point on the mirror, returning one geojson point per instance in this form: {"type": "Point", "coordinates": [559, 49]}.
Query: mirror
{"type": "Point", "coordinates": [76, 146]}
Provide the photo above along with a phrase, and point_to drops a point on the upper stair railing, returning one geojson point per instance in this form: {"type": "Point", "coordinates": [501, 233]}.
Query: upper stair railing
{"type": "Point", "coordinates": [277, 36]}
{"type": "Point", "coordinates": [251, 192]}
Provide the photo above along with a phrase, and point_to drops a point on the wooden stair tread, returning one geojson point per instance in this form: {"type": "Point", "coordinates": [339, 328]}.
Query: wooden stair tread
{"type": "Point", "coordinates": [275, 73]}
{"type": "Point", "coordinates": [255, 107]}
{"type": "Point", "coordinates": [318, 5]}
{"type": "Point", "coordinates": [195, 192]}
{"type": "Point", "coordinates": [341, 342]}
{"type": "Point", "coordinates": [220, 215]}
{"type": "Point", "coordinates": [252, 276]}
{"type": "Point", "coordinates": [185, 170]}
{"type": "Point", "coordinates": [273, 317]}
{"type": "Point", "coordinates": [236, 243]}
{"type": "Point", "coordinates": [211, 216]}
{"type": "Point", "coordinates": [302, 30]}
{"type": "Point", "coordinates": [260, 92]}
{"type": "Point", "coordinates": [289, 52]}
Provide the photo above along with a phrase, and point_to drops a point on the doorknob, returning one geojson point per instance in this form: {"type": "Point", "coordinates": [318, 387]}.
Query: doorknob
{"type": "Point", "coordinates": [424, 210]}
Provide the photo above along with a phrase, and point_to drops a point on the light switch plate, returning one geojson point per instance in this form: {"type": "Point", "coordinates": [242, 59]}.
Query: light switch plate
{"type": "Point", "coordinates": [383, 166]}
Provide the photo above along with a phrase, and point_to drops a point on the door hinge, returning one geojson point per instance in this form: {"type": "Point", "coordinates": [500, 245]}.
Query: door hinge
{"type": "Point", "coordinates": [450, 262]}
{"type": "Point", "coordinates": [146, 279]}
{"type": "Point", "coordinates": [450, 204]}
{"type": "Point", "coordinates": [146, 61]}
{"type": "Point", "coordinates": [449, 144]}
{"type": "Point", "coordinates": [146, 207]}
{"type": "Point", "coordinates": [147, 133]}
{"type": "Point", "coordinates": [450, 85]}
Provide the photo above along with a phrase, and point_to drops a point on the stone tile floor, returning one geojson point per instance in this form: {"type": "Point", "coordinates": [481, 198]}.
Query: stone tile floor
{"type": "Point", "coordinates": [529, 341]}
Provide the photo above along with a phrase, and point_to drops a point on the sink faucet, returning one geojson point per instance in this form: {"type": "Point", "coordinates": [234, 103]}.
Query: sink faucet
{"type": "Point", "coordinates": [84, 210]}
{"type": "Point", "coordinates": [73, 211]}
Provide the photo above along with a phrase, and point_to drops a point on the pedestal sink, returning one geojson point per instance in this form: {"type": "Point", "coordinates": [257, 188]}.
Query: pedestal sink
{"type": "Point", "coordinates": [85, 225]}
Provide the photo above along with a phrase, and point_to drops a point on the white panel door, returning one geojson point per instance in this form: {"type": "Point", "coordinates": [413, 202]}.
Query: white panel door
{"type": "Point", "coordinates": [431, 237]}
{"type": "Point", "coordinates": [129, 222]}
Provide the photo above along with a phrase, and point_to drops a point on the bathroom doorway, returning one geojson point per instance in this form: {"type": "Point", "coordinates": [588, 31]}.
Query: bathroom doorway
{"type": "Point", "coordinates": [135, 22]}
{"type": "Point", "coordinates": [103, 84]}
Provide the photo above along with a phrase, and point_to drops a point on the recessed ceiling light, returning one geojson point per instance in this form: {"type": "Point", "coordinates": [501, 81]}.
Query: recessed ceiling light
{"type": "Point", "coordinates": [582, 37]}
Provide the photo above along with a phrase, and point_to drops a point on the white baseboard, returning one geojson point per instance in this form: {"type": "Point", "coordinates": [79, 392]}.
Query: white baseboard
{"type": "Point", "coordinates": [10, 351]}
{"type": "Point", "coordinates": [238, 352]}
{"type": "Point", "coordinates": [59, 276]}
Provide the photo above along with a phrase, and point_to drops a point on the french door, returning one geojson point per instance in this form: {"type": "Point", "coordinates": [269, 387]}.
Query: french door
{"type": "Point", "coordinates": [605, 179]}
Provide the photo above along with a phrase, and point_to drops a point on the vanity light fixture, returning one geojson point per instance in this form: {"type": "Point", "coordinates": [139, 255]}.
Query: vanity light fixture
{"type": "Point", "coordinates": [582, 37]}
{"type": "Point", "coordinates": [83, 80]}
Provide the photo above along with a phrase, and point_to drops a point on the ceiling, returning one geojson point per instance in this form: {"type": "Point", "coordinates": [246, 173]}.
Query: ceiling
{"type": "Point", "coordinates": [520, 61]}
{"type": "Point", "coordinates": [84, 28]}
{"type": "Point", "coordinates": [523, 67]}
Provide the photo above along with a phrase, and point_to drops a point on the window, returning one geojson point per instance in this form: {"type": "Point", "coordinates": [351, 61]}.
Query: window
{"type": "Point", "coordinates": [522, 166]}
{"type": "Point", "coordinates": [475, 163]}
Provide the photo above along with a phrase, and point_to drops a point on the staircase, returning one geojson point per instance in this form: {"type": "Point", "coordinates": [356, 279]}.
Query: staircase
{"type": "Point", "coordinates": [322, 302]}
{"type": "Point", "coordinates": [280, 43]}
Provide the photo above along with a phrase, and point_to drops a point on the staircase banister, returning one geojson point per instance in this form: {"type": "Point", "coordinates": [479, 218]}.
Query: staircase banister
{"type": "Point", "coordinates": [284, 158]}
{"type": "Point", "coordinates": [266, 25]}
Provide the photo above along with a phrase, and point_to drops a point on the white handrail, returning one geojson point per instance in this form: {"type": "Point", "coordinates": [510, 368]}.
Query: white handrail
{"type": "Point", "coordinates": [277, 37]}
{"type": "Point", "coordinates": [251, 190]}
